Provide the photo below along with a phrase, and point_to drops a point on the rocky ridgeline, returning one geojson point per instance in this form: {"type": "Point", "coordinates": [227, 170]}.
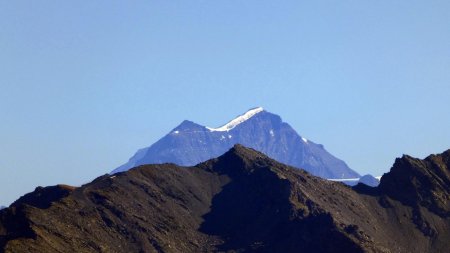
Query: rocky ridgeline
{"type": "Point", "coordinates": [242, 201]}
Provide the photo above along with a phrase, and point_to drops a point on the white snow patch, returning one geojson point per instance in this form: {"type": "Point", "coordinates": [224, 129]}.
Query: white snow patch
{"type": "Point", "coordinates": [229, 136]}
{"type": "Point", "coordinates": [235, 122]}
{"type": "Point", "coordinates": [222, 138]}
{"type": "Point", "coordinates": [177, 132]}
{"type": "Point", "coordinates": [305, 140]}
{"type": "Point", "coordinates": [379, 178]}
{"type": "Point", "coordinates": [271, 133]}
{"type": "Point", "coordinates": [344, 179]}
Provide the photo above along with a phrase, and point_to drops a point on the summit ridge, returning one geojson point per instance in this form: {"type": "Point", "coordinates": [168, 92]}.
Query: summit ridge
{"type": "Point", "coordinates": [238, 120]}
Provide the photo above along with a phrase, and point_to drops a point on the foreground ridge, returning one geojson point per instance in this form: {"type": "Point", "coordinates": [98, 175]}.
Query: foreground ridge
{"type": "Point", "coordinates": [242, 201]}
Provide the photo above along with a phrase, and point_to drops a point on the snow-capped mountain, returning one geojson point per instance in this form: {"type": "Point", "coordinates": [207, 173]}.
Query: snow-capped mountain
{"type": "Point", "coordinates": [190, 143]}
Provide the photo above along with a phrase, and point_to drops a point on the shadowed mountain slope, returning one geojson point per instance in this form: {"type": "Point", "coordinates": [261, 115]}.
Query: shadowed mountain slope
{"type": "Point", "coordinates": [242, 201]}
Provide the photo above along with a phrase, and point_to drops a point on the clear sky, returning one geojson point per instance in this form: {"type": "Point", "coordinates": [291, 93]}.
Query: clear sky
{"type": "Point", "coordinates": [84, 84]}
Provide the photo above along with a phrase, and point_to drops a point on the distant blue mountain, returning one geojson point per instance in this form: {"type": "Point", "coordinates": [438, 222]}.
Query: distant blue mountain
{"type": "Point", "coordinates": [369, 180]}
{"type": "Point", "coordinates": [190, 143]}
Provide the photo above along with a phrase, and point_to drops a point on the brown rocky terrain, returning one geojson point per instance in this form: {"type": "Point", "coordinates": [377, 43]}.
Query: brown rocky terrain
{"type": "Point", "coordinates": [242, 201]}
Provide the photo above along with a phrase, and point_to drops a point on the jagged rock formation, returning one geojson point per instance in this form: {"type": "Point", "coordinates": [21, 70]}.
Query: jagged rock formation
{"type": "Point", "coordinates": [242, 201]}
{"type": "Point", "coordinates": [190, 143]}
{"type": "Point", "coordinates": [420, 183]}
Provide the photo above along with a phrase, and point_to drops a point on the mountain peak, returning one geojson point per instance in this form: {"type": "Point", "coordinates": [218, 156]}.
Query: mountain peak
{"type": "Point", "coordinates": [189, 144]}
{"type": "Point", "coordinates": [237, 160]}
{"type": "Point", "coordinates": [236, 121]}
{"type": "Point", "coordinates": [187, 126]}
{"type": "Point", "coordinates": [244, 153]}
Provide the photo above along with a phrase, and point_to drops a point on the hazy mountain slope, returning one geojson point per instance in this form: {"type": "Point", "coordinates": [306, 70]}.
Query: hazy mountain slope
{"type": "Point", "coordinates": [240, 202]}
{"type": "Point", "coordinates": [190, 143]}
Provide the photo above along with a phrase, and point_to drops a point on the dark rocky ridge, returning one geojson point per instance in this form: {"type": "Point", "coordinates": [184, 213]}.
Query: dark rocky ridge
{"type": "Point", "coordinates": [242, 201]}
{"type": "Point", "coordinates": [418, 182]}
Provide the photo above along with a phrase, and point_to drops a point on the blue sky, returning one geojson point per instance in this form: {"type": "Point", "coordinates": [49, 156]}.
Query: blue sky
{"type": "Point", "coordinates": [84, 84]}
